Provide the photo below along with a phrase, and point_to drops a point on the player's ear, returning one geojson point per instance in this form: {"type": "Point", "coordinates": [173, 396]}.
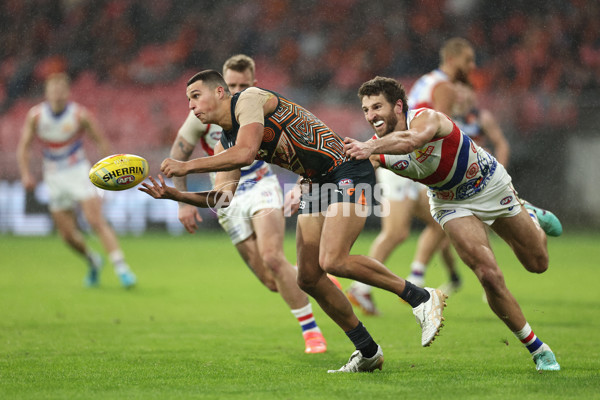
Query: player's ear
{"type": "Point", "coordinates": [398, 107]}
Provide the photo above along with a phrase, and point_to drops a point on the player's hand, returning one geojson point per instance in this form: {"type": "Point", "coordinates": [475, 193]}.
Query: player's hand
{"type": "Point", "coordinates": [291, 202]}
{"type": "Point", "coordinates": [159, 191]}
{"type": "Point", "coordinates": [357, 150]}
{"type": "Point", "coordinates": [28, 182]}
{"type": "Point", "coordinates": [172, 168]}
{"type": "Point", "coordinates": [189, 217]}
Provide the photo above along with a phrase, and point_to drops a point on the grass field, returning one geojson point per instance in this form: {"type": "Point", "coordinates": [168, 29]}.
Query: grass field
{"type": "Point", "coordinates": [199, 325]}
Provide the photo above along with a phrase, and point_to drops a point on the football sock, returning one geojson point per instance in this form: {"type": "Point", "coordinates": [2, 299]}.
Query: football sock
{"type": "Point", "coordinates": [529, 339]}
{"type": "Point", "coordinates": [118, 260]}
{"type": "Point", "coordinates": [362, 287]}
{"type": "Point", "coordinates": [534, 217]}
{"type": "Point", "coordinates": [94, 259]}
{"type": "Point", "coordinates": [418, 268]}
{"type": "Point", "coordinates": [454, 277]}
{"type": "Point", "coordinates": [362, 340]}
{"type": "Point", "coordinates": [414, 295]}
{"type": "Point", "coordinates": [306, 319]}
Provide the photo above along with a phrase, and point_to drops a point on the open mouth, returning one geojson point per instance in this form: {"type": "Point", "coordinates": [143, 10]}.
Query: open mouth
{"type": "Point", "coordinates": [378, 123]}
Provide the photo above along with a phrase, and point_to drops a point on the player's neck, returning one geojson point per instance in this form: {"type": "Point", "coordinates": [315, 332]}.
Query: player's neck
{"type": "Point", "coordinates": [224, 118]}
{"type": "Point", "coordinates": [448, 70]}
{"type": "Point", "coordinates": [57, 107]}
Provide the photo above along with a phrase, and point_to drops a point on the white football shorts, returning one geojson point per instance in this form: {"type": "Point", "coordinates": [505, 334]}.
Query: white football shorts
{"type": "Point", "coordinates": [396, 187]}
{"type": "Point", "coordinates": [498, 199]}
{"type": "Point", "coordinates": [68, 186]}
{"type": "Point", "coordinates": [237, 218]}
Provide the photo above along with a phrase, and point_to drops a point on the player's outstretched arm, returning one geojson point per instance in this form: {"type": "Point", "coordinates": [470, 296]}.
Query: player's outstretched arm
{"type": "Point", "coordinates": [217, 198]}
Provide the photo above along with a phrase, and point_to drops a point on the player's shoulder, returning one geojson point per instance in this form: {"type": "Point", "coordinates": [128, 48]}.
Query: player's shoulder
{"type": "Point", "coordinates": [253, 92]}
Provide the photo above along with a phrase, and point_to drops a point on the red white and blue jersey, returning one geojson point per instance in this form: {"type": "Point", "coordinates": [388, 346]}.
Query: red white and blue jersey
{"type": "Point", "coordinates": [421, 94]}
{"type": "Point", "coordinates": [61, 135]}
{"type": "Point", "coordinates": [193, 130]}
{"type": "Point", "coordinates": [453, 167]}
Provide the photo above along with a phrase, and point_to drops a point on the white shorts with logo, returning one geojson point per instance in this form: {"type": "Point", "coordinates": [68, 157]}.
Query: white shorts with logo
{"type": "Point", "coordinates": [68, 186]}
{"type": "Point", "coordinates": [498, 199]}
{"type": "Point", "coordinates": [237, 218]}
{"type": "Point", "coordinates": [396, 187]}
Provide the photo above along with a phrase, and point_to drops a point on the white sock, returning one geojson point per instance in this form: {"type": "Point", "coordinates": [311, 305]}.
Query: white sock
{"type": "Point", "coordinates": [362, 287]}
{"type": "Point", "coordinates": [118, 260]}
{"type": "Point", "coordinates": [418, 268]}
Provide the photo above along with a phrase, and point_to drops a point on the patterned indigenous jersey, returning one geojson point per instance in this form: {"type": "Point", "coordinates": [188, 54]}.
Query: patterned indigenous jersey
{"type": "Point", "coordinates": [453, 167]}
{"type": "Point", "coordinates": [294, 139]}
{"type": "Point", "coordinates": [193, 130]}
{"type": "Point", "coordinates": [61, 135]}
{"type": "Point", "coordinates": [421, 94]}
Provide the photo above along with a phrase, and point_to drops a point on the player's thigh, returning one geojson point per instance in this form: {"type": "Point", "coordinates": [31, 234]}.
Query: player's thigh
{"type": "Point", "coordinates": [308, 241]}
{"type": "Point", "coordinates": [269, 227]}
{"type": "Point", "coordinates": [343, 223]}
{"type": "Point", "coordinates": [469, 236]}
{"type": "Point", "coordinates": [397, 222]}
{"type": "Point", "coordinates": [525, 238]}
{"type": "Point", "coordinates": [422, 210]}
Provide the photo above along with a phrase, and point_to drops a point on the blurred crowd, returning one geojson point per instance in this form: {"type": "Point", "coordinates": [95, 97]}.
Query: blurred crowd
{"type": "Point", "coordinates": [534, 57]}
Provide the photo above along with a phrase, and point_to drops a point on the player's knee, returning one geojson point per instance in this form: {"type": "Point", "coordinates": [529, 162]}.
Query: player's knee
{"type": "Point", "coordinates": [537, 263]}
{"type": "Point", "coordinates": [490, 277]}
{"type": "Point", "coordinates": [334, 265]}
{"type": "Point", "coordinates": [306, 283]}
{"type": "Point", "coordinates": [273, 261]}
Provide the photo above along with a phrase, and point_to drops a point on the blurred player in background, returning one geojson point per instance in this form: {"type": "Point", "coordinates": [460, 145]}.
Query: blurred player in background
{"type": "Point", "coordinates": [408, 198]}
{"type": "Point", "coordinates": [60, 124]}
{"type": "Point", "coordinates": [254, 221]}
{"type": "Point", "coordinates": [479, 124]}
{"type": "Point", "coordinates": [468, 191]}
{"type": "Point", "coordinates": [260, 124]}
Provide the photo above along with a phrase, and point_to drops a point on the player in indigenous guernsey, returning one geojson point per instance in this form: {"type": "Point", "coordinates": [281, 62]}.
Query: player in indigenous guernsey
{"type": "Point", "coordinates": [263, 125]}
{"type": "Point", "coordinates": [254, 220]}
{"type": "Point", "coordinates": [60, 125]}
{"type": "Point", "coordinates": [407, 198]}
{"type": "Point", "coordinates": [468, 190]}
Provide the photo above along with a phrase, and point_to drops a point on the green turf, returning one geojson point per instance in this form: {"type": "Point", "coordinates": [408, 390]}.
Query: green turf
{"type": "Point", "coordinates": [199, 325]}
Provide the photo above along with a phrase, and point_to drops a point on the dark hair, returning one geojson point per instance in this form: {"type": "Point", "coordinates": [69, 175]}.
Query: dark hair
{"type": "Point", "coordinates": [391, 89]}
{"type": "Point", "coordinates": [211, 78]}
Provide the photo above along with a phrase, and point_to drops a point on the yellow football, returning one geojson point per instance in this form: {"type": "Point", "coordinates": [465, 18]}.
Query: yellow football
{"type": "Point", "coordinates": [119, 172]}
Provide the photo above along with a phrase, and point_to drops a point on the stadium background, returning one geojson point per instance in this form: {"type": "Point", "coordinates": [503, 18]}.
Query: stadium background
{"type": "Point", "coordinates": [538, 71]}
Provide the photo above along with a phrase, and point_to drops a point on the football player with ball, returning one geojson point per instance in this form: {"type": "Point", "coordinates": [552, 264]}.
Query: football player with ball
{"type": "Point", "coordinates": [60, 125]}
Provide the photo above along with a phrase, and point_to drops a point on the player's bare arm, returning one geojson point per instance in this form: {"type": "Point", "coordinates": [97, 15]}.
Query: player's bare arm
{"type": "Point", "coordinates": [238, 156]}
{"type": "Point", "coordinates": [220, 196]}
{"type": "Point", "coordinates": [181, 151]}
{"type": "Point", "coordinates": [24, 151]}
{"type": "Point", "coordinates": [444, 97]}
{"type": "Point", "coordinates": [494, 133]}
{"type": "Point", "coordinates": [92, 128]}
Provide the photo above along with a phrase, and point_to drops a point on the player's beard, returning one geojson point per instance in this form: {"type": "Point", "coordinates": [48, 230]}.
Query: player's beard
{"type": "Point", "coordinates": [461, 76]}
{"type": "Point", "coordinates": [390, 123]}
